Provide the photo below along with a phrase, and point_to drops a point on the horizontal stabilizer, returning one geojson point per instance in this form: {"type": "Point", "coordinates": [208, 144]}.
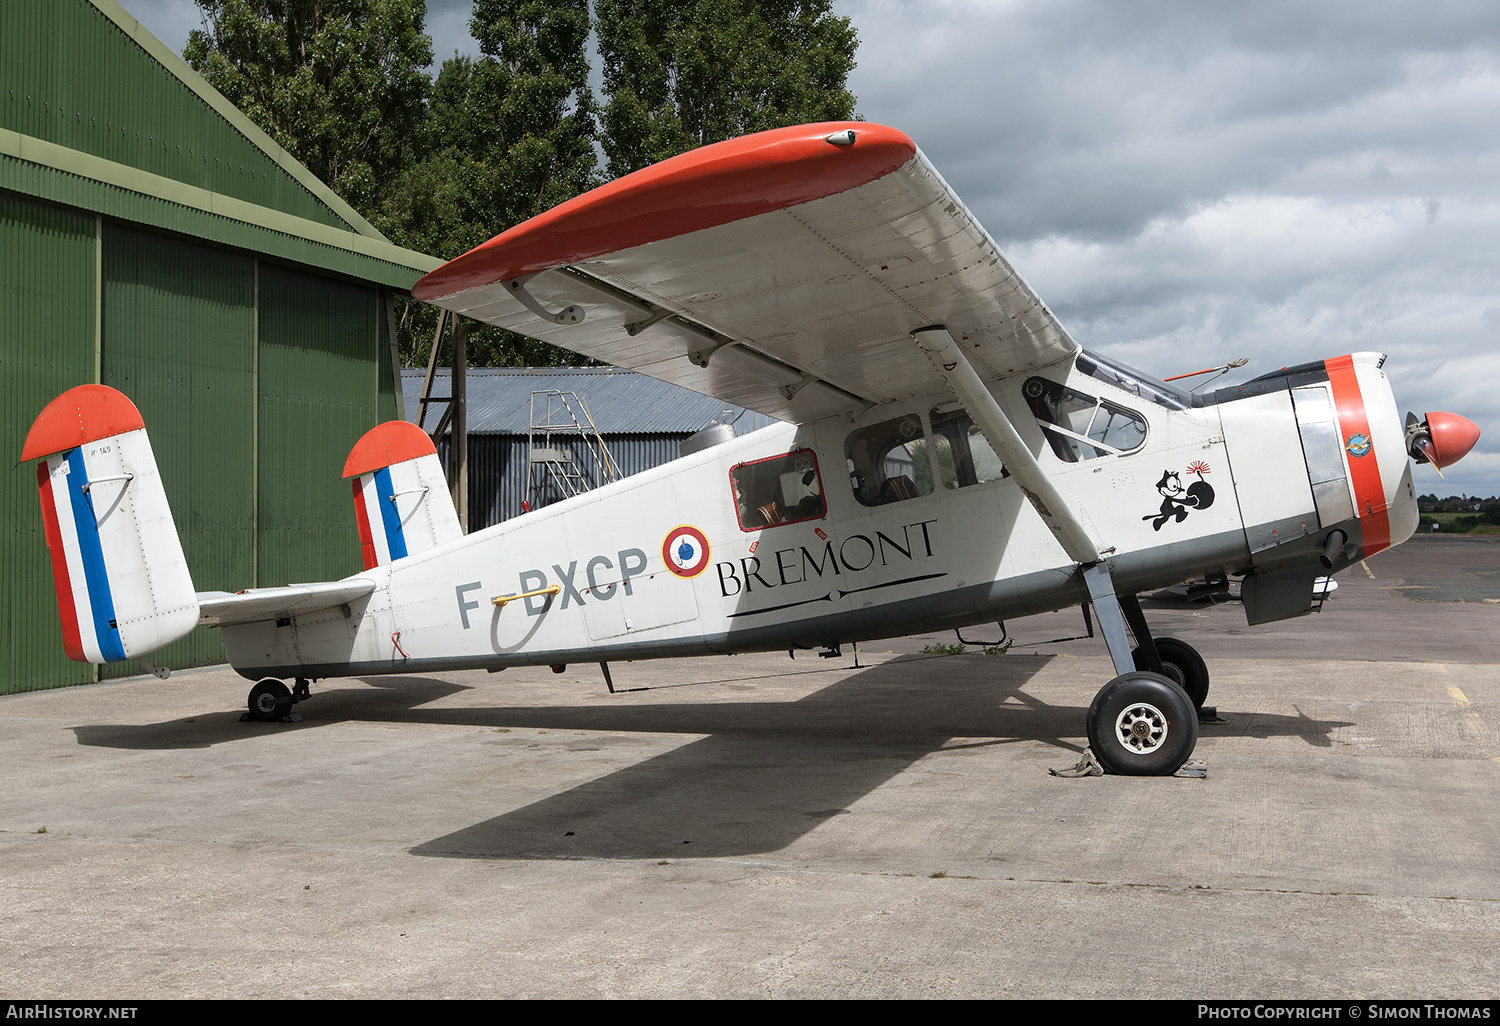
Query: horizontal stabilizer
{"type": "Point", "coordinates": [221, 608]}
{"type": "Point", "coordinates": [401, 497]}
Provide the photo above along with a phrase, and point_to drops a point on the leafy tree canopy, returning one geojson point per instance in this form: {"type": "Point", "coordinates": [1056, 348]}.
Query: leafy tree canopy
{"type": "Point", "coordinates": [509, 134]}
{"type": "Point", "coordinates": [339, 84]}
{"type": "Point", "coordinates": [683, 73]}
{"type": "Point", "coordinates": [442, 164]}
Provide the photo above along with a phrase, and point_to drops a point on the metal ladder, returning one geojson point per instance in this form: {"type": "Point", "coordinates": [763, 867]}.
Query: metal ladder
{"type": "Point", "coordinates": [557, 469]}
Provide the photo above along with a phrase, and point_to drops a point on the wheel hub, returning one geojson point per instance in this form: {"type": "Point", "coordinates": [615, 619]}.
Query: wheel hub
{"type": "Point", "coordinates": [1141, 728]}
{"type": "Point", "coordinates": [266, 703]}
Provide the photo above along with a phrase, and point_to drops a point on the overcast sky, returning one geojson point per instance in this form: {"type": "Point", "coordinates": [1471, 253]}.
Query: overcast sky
{"type": "Point", "coordinates": [1186, 183]}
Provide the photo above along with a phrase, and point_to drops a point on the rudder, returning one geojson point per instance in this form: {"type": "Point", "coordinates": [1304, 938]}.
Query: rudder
{"type": "Point", "coordinates": [123, 587]}
{"type": "Point", "coordinates": [400, 494]}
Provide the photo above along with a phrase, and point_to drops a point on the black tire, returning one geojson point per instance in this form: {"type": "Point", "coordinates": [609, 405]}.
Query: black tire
{"type": "Point", "coordinates": [1142, 724]}
{"type": "Point", "coordinates": [1181, 663]}
{"type": "Point", "coordinates": [270, 701]}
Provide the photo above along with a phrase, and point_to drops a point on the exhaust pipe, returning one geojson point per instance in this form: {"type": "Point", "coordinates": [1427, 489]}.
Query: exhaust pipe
{"type": "Point", "coordinates": [1333, 549]}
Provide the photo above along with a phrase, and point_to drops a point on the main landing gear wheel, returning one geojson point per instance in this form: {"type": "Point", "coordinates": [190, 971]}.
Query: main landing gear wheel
{"type": "Point", "coordinates": [270, 701]}
{"type": "Point", "coordinates": [1182, 664]}
{"type": "Point", "coordinates": [1142, 724]}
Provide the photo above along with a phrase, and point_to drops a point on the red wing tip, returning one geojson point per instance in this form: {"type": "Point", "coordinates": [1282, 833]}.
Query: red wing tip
{"type": "Point", "coordinates": [385, 445]}
{"type": "Point", "coordinates": [80, 415]}
{"type": "Point", "coordinates": [703, 188]}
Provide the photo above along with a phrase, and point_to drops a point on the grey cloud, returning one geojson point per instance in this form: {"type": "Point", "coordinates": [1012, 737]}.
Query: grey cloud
{"type": "Point", "coordinates": [1187, 183]}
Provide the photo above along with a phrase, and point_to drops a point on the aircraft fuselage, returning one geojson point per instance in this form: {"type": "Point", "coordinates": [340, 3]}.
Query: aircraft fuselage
{"type": "Point", "coordinates": [897, 521]}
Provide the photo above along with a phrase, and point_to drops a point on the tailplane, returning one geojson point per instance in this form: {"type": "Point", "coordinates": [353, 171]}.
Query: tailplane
{"type": "Point", "coordinates": [123, 587]}
{"type": "Point", "coordinates": [400, 494]}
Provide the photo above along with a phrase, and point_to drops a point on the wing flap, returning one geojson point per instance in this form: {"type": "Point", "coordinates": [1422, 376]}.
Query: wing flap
{"type": "Point", "coordinates": [222, 608]}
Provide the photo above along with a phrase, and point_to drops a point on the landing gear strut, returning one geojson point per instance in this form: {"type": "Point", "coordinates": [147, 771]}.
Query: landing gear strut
{"type": "Point", "coordinates": [1142, 723]}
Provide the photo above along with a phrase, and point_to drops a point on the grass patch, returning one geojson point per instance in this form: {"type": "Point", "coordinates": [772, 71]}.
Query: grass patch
{"type": "Point", "coordinates": [942, 650]}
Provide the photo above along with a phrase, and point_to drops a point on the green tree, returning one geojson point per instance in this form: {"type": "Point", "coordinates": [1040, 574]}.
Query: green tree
{"type": "Point", "coordinates": [509, 134]}
{"type": "Point", "coordinates": [443, 165]}
{"type": "Point", "coordinates": [683, 73]}
{"type": "Point", "coordinates": [339, 84]}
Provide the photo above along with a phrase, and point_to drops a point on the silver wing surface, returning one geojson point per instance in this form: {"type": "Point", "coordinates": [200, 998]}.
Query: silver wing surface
{"type": "Point", "coordinates": [782, 271]}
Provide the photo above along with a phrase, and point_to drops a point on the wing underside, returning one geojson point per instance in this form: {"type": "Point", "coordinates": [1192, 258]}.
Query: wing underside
{"type": "Point", "coordinates": [798, 310]}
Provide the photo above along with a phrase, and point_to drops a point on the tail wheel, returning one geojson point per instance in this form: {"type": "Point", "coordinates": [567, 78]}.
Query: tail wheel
{"type": "Point", "coordinates": [270, 701]}
{"type": "Point", "coordinates": [1142, 724]}
{"type": "Point", "coordinates": [1182, 664]}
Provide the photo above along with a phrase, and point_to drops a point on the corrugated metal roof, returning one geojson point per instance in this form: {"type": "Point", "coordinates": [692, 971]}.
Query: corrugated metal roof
{"type": "Point", "coordinates": [621, 401]}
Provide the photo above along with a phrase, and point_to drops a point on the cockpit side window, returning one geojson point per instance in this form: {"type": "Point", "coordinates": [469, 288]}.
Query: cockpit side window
{"type": "Point", "coordinates": [1079, 426]}
{"type": "Point", "coordinates": [889, 461]}
{"type": "Point", "coordinates": [779, 490]}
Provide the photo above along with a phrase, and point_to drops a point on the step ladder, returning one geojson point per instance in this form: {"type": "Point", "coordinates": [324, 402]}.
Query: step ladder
{"type": "Point", "coordinates": [567, 454]}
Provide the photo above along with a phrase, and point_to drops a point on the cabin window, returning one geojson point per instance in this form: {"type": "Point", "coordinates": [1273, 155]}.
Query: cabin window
{"type": "Point", "coordinates": [779, 490]}
{"type": "Point", "coordinates": [889, 461]}
{"type": "Point", "coordinates": [964, 454]}
{"type": "Point", "coordinates": [1082, 427]}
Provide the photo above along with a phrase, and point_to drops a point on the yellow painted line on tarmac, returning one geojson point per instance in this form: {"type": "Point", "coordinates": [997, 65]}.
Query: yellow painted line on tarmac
{"type": "Point", "coordinates": [1472, 723]}
{"type": "Point", "coordinates": [1367, 569]}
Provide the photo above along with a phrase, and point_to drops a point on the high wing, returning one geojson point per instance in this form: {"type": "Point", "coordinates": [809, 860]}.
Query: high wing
{"type": "Point", "coordinates": [782, 271]}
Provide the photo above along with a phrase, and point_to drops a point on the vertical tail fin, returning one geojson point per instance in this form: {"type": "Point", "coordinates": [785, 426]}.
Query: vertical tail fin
{"type": "Point", "coordinates": [400, 495]}
{"type": "Point", "coordinates": [123, 587]}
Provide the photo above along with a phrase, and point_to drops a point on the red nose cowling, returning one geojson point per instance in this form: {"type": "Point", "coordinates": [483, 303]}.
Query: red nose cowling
{"type": "Point", "coordinates": [1452, 437]}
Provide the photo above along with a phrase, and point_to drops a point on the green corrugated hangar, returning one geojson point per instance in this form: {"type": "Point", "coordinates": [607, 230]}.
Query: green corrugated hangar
{"type": "Point", "coordinates": [154, 240]}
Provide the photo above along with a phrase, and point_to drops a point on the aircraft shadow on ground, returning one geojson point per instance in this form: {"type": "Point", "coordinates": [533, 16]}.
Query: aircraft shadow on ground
{"type": "Point", "coordinates": [396, 696]}
{"type": "Point", "coordinates": [757, 775]}
{"type": "Point", "coordinates": [770, 772]}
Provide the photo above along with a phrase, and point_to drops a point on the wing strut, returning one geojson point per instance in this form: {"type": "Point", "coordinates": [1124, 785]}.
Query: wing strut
{"type": "Point", "coordinates": [957, 373]}
{"type": "Point", "coordinates": [949, 362]}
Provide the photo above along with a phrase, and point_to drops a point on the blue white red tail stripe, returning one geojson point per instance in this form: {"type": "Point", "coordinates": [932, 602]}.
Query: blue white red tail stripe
{"type": "Point", "coordinates": [84, 598]}
{"type": "Point", "coordinates": [399, 494]}
{"type": "Point", "coordinates": [382, 538]}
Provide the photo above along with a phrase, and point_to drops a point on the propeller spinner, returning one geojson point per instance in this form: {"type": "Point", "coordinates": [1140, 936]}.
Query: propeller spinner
{"type": "Point", "coordinates": [1442, 439]}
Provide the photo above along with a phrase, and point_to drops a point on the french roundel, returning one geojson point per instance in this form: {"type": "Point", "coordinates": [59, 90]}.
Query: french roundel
{"type": "Point", "coordinates": [685, 551]}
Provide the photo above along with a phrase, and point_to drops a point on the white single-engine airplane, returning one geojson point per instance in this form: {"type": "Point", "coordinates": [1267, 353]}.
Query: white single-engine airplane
{"type": "Point", "coordinates": [949, 457]}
